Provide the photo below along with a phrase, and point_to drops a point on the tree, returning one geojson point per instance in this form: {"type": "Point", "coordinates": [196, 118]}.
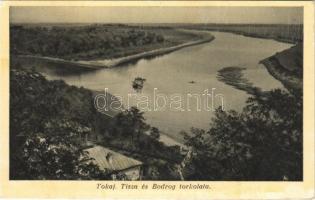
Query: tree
{"type": "Point", "coordinates": [263, 142]}
{"type": "Point", "coordinates": [55, 158]}
{"type": "Point", "coordinates": [155, 133]}
{"type": "Point", "coordinates": [137, 84]}
{"type": "Point", "coordinates": [47, 119]}
{"type": "Point", "coordinates": [131, 123]}
{"type": "Point", "coordinates": [160, 38]}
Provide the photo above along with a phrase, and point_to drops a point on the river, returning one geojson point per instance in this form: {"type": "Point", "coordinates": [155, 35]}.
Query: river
{"type": "Point", "coordinates": [189, 70]}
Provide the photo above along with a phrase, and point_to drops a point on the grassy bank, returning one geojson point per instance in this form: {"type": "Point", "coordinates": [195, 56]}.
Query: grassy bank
{"type": "Point", "coordinates": [287, 67]}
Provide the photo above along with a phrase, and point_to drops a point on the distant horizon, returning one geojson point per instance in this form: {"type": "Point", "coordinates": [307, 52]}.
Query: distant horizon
{"type": "Point", "coordinates": [157, 23]}
{"type": "Point", "coordinates": [156, 15]}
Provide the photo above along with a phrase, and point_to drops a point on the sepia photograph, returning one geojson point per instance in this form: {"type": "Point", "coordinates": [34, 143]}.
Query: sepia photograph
{"type": "Point", "coordinates": [143, 93]}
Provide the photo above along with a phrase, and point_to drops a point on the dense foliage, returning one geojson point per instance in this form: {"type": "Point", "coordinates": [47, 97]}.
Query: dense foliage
{"type": "Point", "coordinates": [137, 83]}
{"type": "Point", "coordinates": [79, 42]}
{"type": "Point", "coordinates": [55, 158]}
{"type": "Point", "coordinates": [263, 142]}
{"type": "Point", "coordinates": [48, 121]}
{"type": "Point", "coordinates": [128, 130]}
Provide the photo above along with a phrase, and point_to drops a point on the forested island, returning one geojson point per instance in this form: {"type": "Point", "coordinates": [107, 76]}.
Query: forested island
{"type": "Point", "coordinates": [82, 45]}
{"type": "Point", "coordinates": [82, 42]}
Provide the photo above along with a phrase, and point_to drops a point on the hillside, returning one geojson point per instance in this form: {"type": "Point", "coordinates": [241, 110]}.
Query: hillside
{"type": "Point", "coordinates": [54, 111]}
{"type": "Point", "coordinates": [287, 67]}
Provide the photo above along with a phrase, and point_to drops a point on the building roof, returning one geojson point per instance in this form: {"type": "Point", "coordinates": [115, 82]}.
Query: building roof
{"type": "Point", "coordinates": [110, 160]}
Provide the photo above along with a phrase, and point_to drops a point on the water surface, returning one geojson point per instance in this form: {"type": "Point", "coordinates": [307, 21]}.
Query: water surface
{"type": "Point", "coordinates": [174, 72]}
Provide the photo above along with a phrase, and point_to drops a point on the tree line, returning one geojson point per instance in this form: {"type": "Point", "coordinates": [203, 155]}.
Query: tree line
{"type": "Point", "coordinates": [79, 42]}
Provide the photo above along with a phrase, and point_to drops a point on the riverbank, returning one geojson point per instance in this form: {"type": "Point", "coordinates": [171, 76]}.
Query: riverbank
{"type": "Point", "coordinates": [59, 61]}
{"type": "Point", "coordinates": [287, 67]}
{"type": "Point", "coordinates": [257, 35]}
{"type": "Point", "coordinates": [292, 83]}
{"type": "Point", "coordinates": [108, 63]}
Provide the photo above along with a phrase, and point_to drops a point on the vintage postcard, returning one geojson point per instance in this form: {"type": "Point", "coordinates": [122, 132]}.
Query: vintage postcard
{"type": "Point", "coordinates": [157, 100]}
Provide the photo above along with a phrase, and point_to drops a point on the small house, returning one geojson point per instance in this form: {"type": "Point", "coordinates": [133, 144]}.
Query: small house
{"type": "Point", "coordinates": [120, 166]}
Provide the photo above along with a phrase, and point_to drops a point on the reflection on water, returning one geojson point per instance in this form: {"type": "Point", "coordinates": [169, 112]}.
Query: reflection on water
{"type": "Point", "coordinates": [174, 72]}
{"type": "Point", "coordinates": [50, 68]}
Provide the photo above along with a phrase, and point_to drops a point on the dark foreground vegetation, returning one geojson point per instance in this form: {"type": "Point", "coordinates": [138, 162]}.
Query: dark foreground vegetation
{"type": "Point", "coordinates": [49, 119]}
{"type": "Point", "coordinates": [263, 142]}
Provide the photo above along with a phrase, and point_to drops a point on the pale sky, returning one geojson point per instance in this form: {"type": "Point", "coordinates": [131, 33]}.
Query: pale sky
{"type": "Point", "coordinates": [268, 15]}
